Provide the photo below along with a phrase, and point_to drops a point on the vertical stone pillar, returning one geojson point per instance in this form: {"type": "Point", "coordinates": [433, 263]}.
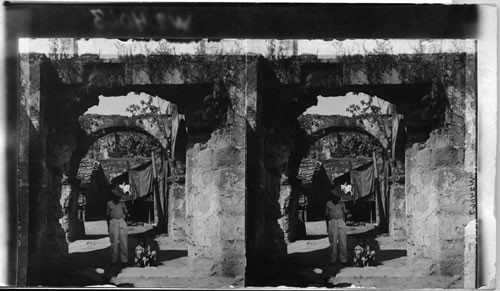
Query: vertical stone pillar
{"type": "Point", "coordinates": [32, 205]}
{"type": "Point", "coordinates": [215, 204]}
{"type": "Point", "coordinates": [397, 211]}
{"type": "Point", "coordinates": [289, 222]}
{"type": "Point", "coordinates": [438, 201]}
{"type": "Point", "coordinates": [177, 207]}
{"type": "Point", "coordinates": [470, 256]}
{"type": "Point", "coordinates": [70, 222]}
{"type": "Point", "coordinates": [216, 188]}
{"type": "Point", "coordinates": [23, 167]}
{"type": "Point", "coordinates": [285, 221]}
{"type": "Point", "coordinates": [176, 188]}
{"type": "Point", "coordinates": [421, 209]}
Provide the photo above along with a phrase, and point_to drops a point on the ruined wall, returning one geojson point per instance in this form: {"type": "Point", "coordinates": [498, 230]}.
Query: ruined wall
{"type": "Point", "coordinates": [317, 124]}
{"type": "Point", "coordinates": [237, 103]}
{"type": "Point", "coordinates": [177, 209]}
{"type": "Point", "coordinates": [271, 127]}
{"type": "Point", "coordinates": [215, 186]}
{"type": "Point", "coordinates": [440, 182]}
{"type": "Point", "coordinates": [177, 182]}
{"type": "Point", "coordinates": [210, 104]}
{"type": "Point", "coordinates": [397, 211]}
{"type": "Point", "coordinates": [436, 95]}
{"type": "Point", "coordinates": [94, 123]}
{"type": "Point", "coordinates": [40, 180]}
{"type": "Point", "coordinates": [438, 198]}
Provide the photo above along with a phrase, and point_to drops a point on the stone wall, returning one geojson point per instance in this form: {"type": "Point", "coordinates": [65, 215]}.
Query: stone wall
{"type": "Point", "coordinates": [316, 125]}
{"type": "Point", "coordinates": [245, 145]}
{"type": "Point", "coordinates": [157, 127]}
{"type": "Point", "coordinates": [177, 209]}
{"type": "Point", "coordinates": [440, 187]}
{"type": "Point", "coordinates": [42, 236]}
{"type": "Point", "coordinates": [437, 205]}
{"type": "Point", "coordinates": [203, 88]}
{"type": "Point", "coordinates": [397, 211]}
{"type": "Point", "coordinates": [215, 187]}
{"type": "Point", "coordinates": [436, 96]}
{"type": "Point", "coordinates": [270, 130]}
{"type": "Point", "coordinates": [177, 182]}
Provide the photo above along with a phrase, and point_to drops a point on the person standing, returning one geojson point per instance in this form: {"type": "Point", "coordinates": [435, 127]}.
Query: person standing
{"type": "Point", "coordinates": [335, 213]}
{"type": "Point", "coordinates": [116, 212]}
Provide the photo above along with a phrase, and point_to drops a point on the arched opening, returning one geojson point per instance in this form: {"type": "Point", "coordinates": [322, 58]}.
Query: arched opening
{"type": "Point", "coordinates": [109, 160]}
{"type": "Point", "coordinates": [329, 161]}
{"type": "Point", "coordinates": [136, 151]}
{"type": "Point", "coordinates": [205, 143]}
{"type": "Point", "coordinates": [244, 146]}
{"type": "Point", "coordinates": [348, 150]}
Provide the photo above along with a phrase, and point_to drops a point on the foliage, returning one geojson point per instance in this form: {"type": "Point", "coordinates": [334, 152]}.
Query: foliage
{"type": "Point", "coordinates": [57, 51]}
{"type": "Point", "coordinates": [154, 107]}
{"type": "Point", "coordinates": [366, 108]}
{"type": "Point", "coordinates": [373, 113]}
{"type": "Point", "coordinates": [151, 106]}
{"type": "Point", "coordinates": [347, 144]}
{"type": "Point", "coordinates": [124, 144]}
{"type": "Point", "coordinates": [133, 145]}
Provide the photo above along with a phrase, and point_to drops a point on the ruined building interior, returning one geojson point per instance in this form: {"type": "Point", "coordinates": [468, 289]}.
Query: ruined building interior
{"type": "Point", "coordinates": [237, 152]}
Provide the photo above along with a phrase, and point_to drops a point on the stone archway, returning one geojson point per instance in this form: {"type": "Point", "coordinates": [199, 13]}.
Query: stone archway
{"type": "Point", "coordinates": [94, 127]}
{"type": "Point", "coordinates": [320, 125]}
{"type": "Point", "coordinates": [241, 114]}
{"type": "Point", "coordinates": [434, 94]}
{"type": "Point", "coordinates": [314, 128]}
{"type": "Point", "coordinates": [57, 92]}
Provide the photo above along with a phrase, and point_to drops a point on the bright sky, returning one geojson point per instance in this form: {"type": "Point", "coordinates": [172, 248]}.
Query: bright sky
{"type": "Point", "coordinates": [326, 105]}
{"type": "Point", "coordinates": [337, 105]}
{"type": "Point", "coordinates": [109, 48]}
{"type": "Point", "coordinates": [117, 105]}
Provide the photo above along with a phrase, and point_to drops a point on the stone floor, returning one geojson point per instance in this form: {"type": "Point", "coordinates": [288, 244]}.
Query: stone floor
{"type": "Point", "coordinates": [309, 267]}
{"type": "Point", "coordinates": [88, 263]}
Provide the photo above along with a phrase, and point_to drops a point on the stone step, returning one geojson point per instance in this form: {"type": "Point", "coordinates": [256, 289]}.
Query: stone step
{"type": "Point", "coordinates": [400, 282]}
{"type": "Point", "coordinates": [153, 272]}
{"type": "Point", "coordinates": [374, 272]}
{"type": "Point", "coordinates": [204, 282]}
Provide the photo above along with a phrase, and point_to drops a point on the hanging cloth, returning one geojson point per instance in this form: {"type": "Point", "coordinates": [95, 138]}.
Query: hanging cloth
{"type": "Point", "coordinates": [362, 181]}
{"type": "Point", "coordinates": [141, 181]}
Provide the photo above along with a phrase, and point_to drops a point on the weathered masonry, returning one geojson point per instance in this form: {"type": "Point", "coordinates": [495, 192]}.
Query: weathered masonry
{"type": "Point", "coordinates": [243, 148]}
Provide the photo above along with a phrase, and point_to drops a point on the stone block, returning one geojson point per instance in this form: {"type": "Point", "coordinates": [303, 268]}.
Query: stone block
{"type": "Point", "coordinates": [423, 158]}
{"type": "Point", "coordinates": [233, 268]}
{"type": "Point", "coordinates": [200, 267]}
{"type": "Point", "coordinates": [470, 257]}
{"type": "Point", "coordinates": [451, 265]}
{"type": "Point", "coordinates": [357, 75]}
{"type": "Point", "coordinates": [227, 157]}
{"type": "Point", "coordinates": [233, 228]}
{"type": "Point", "coordinates": [447, 157]}
{"type": "Point", "coordinates": [422, 266]}
{"type": "Point", "coordinates": [204, 159]}
{"type": "Point", "coordinates": [397, 215]}
{"type": "Point", "coordinates": [321, 76]}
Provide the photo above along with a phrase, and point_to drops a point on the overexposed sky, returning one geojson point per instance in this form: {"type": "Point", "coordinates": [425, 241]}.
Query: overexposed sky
{"type": "Point", "coordinates": [326, 105]}
{"type": "Point", "coordinates": [118, 105]}
{"type": "Point", "coordinates": [110, 48]}
{"type": "Point", "coordinates": [337, 105]}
